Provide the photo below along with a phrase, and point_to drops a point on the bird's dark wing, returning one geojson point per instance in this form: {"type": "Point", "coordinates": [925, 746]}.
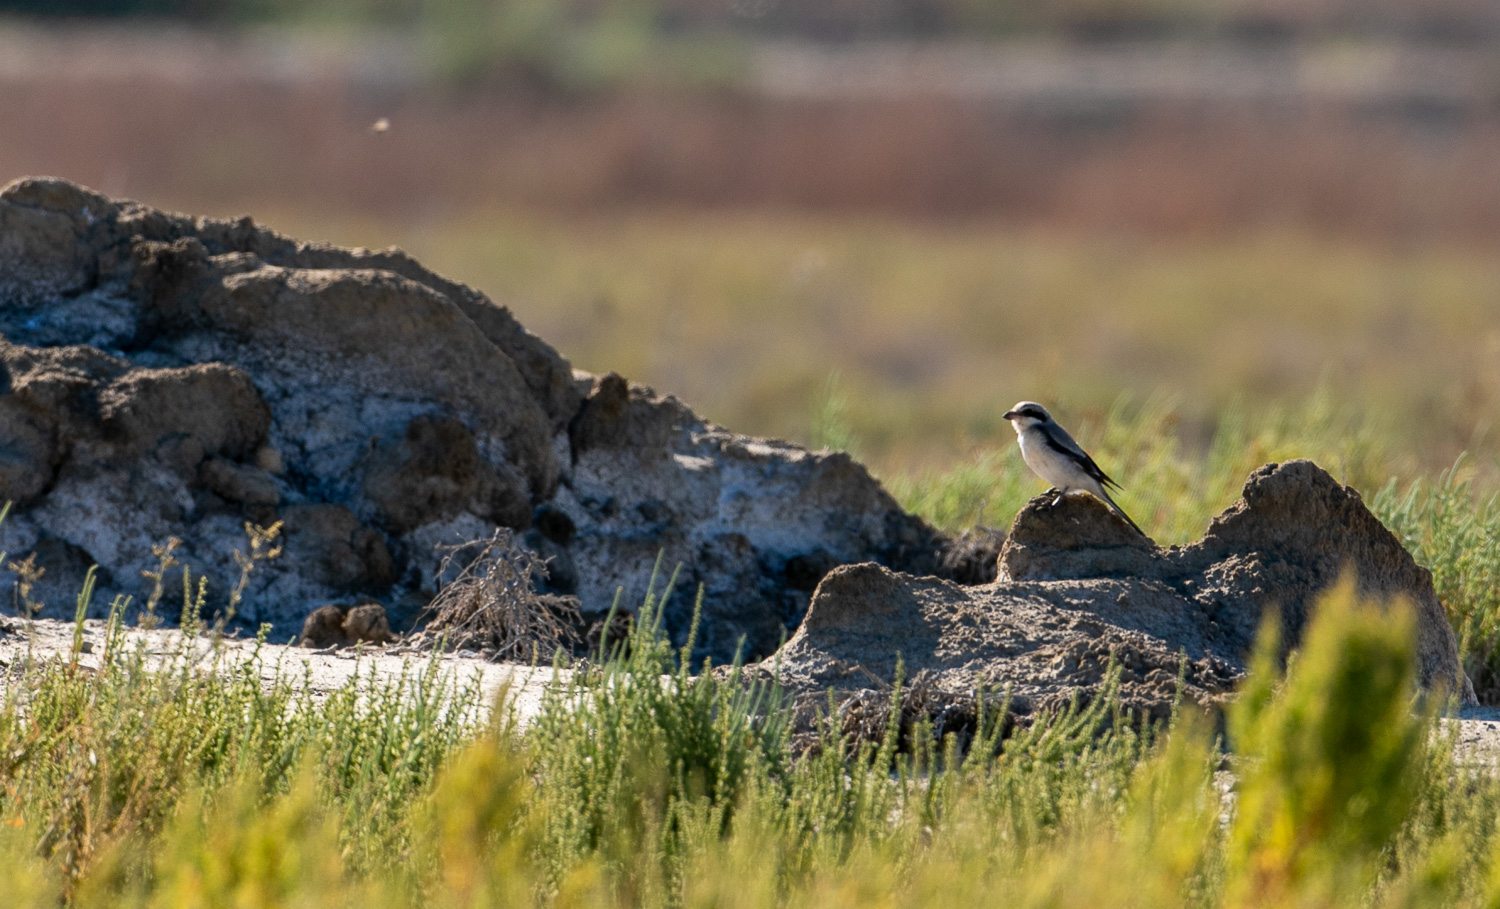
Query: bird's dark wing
{"type": "Point", "coordinates": [1059, 440]}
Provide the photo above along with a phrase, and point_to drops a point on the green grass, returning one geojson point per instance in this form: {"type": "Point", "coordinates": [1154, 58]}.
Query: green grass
{"type": "Point", "coordinates": [1455, 531]}
{"type": "Point", "coordinates": [644, 785]}
{"type": "Point", "coordinates": [1172, 485]}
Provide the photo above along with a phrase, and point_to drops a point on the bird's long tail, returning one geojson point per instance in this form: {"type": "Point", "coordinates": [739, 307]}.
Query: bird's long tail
{"type": "Point", "coordinates": [1121, 512]}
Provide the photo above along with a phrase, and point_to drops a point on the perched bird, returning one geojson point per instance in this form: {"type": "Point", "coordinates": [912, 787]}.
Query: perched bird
{"type": "Point", "coordinates": [1053, 455]}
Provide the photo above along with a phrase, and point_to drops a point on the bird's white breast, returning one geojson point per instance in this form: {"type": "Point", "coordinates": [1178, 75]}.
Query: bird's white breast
{"type": "Point", "coordinates": [1048, 463]}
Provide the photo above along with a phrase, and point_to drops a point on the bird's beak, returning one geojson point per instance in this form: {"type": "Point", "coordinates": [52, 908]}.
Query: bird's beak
{"type": "Point", "coordinates": [1010, 415]}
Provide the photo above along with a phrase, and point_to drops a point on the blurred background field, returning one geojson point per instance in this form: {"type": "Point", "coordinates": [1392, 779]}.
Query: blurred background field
{"type": "Point", "coordinates": [869, 225]}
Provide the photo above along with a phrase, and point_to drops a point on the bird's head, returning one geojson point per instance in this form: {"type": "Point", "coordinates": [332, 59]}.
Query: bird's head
{"type": "Point", "coordinates": [1027, 414]}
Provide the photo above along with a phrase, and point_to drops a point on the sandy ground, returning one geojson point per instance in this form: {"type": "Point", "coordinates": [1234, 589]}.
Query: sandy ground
{"type": "Point", "coordinates": [325, 671]}
{"type": "Point", "coordinates": [320, 671]}
{"type": "Point", "coordinates": [1479, 736]}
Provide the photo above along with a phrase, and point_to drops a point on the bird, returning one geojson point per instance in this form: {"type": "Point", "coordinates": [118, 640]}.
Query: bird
{"type": "Point", "coordinates": [1053, 455]}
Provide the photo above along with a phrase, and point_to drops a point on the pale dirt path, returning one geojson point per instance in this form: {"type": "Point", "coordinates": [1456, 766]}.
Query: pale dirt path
{"type": "Point", "coordinates": [319, 672]}
{"type": "Point", "coordinates": [1479, 736]}
{"type": "Point", "coordinates": [326, 671]}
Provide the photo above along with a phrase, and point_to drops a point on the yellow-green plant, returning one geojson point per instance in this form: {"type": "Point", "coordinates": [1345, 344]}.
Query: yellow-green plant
{"type": "Point", "coordinates": [1328, 757]}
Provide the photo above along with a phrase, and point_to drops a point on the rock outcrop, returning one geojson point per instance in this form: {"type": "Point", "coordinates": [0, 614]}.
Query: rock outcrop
{"type": "Point", "coordinates": [751, 520]}
{"type": "Point", "coordinates": [169, 376]}
{"type": "Point", "coordinates": [1077, 587]}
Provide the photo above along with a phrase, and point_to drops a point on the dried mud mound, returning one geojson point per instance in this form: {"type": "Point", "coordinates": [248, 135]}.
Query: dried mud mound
{"type": "Point", "coordinates": [168, 376]}
{"type": "Point", "coordinates": [1076, 585]}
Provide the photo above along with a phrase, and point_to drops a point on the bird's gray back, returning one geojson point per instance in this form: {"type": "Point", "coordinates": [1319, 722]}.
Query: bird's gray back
{"type": "Point", "coordinates": [1063, 440]}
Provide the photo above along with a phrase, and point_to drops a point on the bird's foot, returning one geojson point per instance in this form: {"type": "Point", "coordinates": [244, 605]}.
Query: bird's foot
{"type": "Point", "coordinates": [1058, 500]}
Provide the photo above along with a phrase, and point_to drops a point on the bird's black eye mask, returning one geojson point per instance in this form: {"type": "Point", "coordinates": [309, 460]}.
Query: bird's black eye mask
{"type": "Point", "coordinates": [1033, 413]}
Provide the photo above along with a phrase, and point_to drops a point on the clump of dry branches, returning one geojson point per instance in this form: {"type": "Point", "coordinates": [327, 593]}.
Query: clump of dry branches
{"type": "Point", "coordinates": [488, 601]}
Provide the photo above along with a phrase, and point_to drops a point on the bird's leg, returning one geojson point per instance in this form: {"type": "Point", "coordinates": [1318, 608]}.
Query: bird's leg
{"type": "Point", "coordinates": [1058, 500]}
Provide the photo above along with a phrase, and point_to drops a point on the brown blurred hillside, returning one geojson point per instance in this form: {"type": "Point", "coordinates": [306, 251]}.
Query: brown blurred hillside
{"type": "Point", "coordinates": [1381, 138]}
{"type": "Point", "coordinates": [1252, 19]}
{"type": "Point", "coordinates": [1462, 20]}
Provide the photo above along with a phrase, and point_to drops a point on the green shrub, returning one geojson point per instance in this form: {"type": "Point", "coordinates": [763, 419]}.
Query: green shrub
{"type": "Point", "coordinates": [1328, 762]}
{"type": "Point", "coordinates": [196, 782]}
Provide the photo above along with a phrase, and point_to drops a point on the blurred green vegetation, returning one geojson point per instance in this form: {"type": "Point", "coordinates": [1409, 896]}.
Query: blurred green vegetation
{"type": "Point", "coordinates": [1453, 528]}
{"type": "Point", "coordinates": [642, 784]}
{"type": "Point", "coordinates": [934, 329]}
{"type": "Point", "coordinates": [1172, 489]}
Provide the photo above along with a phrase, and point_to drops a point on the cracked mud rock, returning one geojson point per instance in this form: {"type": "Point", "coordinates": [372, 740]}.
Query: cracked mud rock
{"type": "Point", "coordinates": [1076, 586]}
{"type": "Point", "coordinates": [170, 376]}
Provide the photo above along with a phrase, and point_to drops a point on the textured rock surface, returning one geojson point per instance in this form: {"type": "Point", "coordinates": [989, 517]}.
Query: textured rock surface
{"type": "Point", "coordinates": [173, 376]}
{"type": "Point", "coordinates": [751, 520]}
{"type": "Point", "coordinates": [1076, 584]}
